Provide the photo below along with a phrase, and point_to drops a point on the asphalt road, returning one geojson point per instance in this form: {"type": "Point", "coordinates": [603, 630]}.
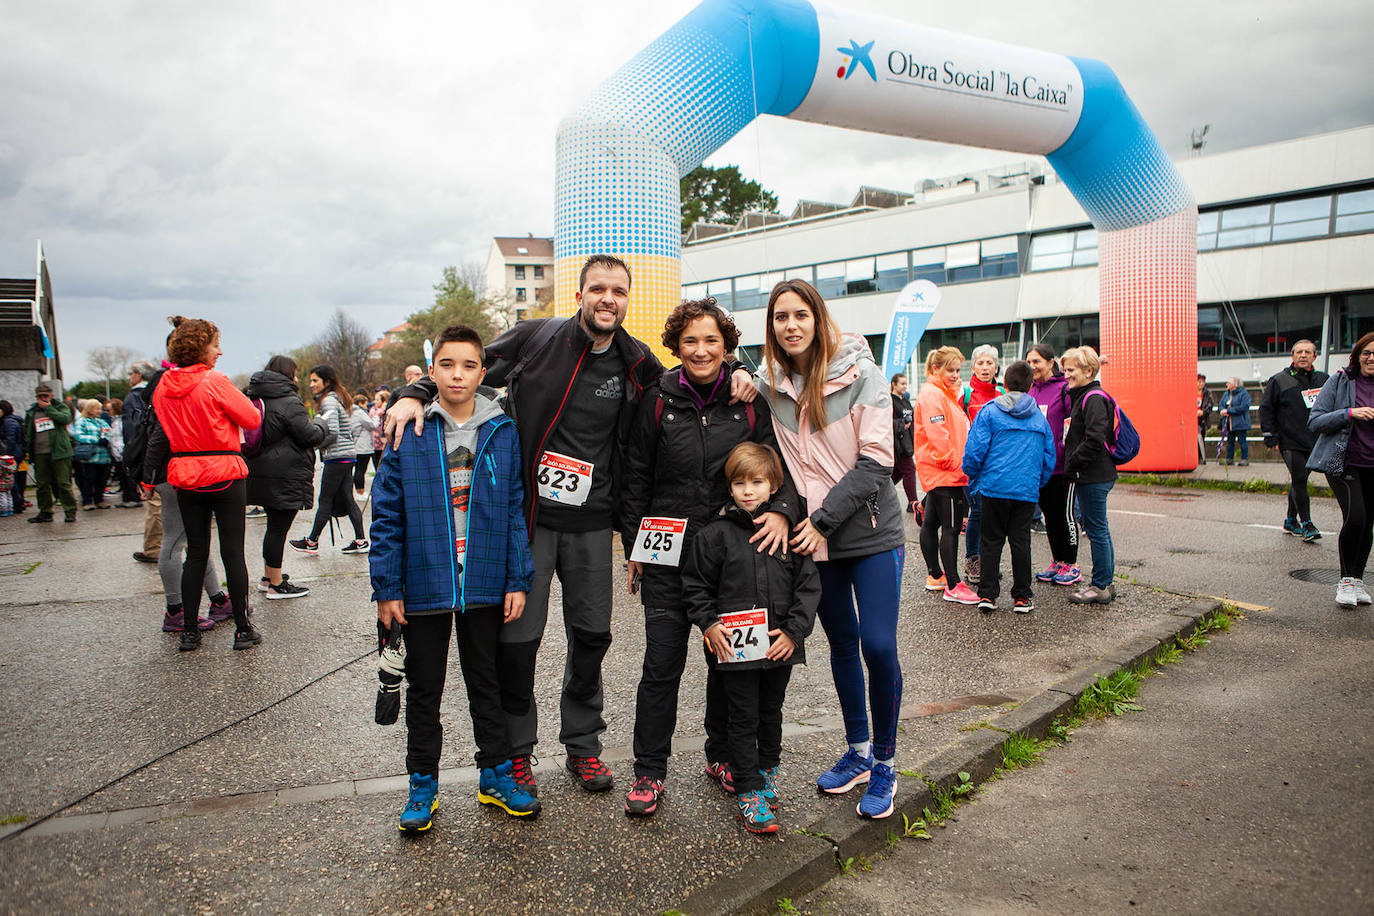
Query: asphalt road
{"type": "Point", "coordinates": [294, 808]}
{"type": "Point", "coordinates": [1245, 785]}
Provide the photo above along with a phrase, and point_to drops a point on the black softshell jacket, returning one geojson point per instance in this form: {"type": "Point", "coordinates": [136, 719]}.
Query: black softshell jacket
{"type": "Point", "coordinates": [724, 572]}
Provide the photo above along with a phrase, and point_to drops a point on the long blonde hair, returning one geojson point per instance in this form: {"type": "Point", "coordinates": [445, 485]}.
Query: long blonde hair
{"type": "Point", "coordinates": [822, 350]}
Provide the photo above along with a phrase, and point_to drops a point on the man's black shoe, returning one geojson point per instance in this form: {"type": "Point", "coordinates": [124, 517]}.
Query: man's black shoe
{"type": "Point", "coordinates": [41, 517]}
{"type": "Point", "coordinates": [142, 557]}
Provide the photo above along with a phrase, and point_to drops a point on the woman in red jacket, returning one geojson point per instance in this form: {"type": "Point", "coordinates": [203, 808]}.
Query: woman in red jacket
{"type": "Point", "coordinates": [202, 413]}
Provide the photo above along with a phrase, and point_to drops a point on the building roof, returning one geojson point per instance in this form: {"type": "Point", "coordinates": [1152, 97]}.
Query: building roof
{"type": "Point", "coordinates": [524, 247]}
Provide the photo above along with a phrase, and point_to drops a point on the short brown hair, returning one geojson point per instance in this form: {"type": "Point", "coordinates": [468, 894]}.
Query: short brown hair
{"type": "Point", "coordinates": [753, 458]}
{"type": "Point", "coordinates": [608, 261]}
{"type": "Point", "coordinates": [190, 337]}
{"type": "Point", "coordinates": [692, 309]}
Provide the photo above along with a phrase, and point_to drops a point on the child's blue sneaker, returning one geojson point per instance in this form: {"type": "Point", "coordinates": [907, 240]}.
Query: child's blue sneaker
{"type": "Point", "coordinates": [424, 799]}
{"type": "Point", "coordinates": [754, 811]}
{"type": "Point", "coordinates": [877, 800]}
{"type": "Point", "coordinates": [770, 786]}
{"type": "Point", "coordinates": [850, 771]}
{"type": "Point", "coordinates": [496, 786]}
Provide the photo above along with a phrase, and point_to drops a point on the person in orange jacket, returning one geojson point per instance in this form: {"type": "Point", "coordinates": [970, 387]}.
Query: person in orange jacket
{"type": "Point", "coordinates": [201, 413]}
{"type": "Point", "coordinates": [939, 432]}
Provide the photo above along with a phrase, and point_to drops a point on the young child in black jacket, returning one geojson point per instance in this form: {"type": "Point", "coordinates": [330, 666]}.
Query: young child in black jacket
{"type": "Point", "coordinates": [755, 611]}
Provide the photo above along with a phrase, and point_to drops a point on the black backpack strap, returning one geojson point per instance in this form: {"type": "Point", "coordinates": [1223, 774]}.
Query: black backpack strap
{"type": "Point", "coordinates": [537, 342]}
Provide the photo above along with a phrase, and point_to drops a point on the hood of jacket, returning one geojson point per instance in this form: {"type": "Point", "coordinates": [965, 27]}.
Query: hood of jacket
{"type": "Point", "coordinates": [483, 409]}
{"type": "Point", "coordinates": [1017, 404]}
{"type": "Point", "coordinates": [179, 381]}
{"type": "Point", "coordinates": [268, 384]}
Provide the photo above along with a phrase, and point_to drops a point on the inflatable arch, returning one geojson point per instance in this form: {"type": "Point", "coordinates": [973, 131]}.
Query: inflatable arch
{"type": "Point", "coordinates": [621, 154]}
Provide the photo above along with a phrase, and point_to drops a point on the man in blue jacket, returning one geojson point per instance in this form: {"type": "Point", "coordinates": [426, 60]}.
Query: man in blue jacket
{"type": "Point", "coordinates": [1009, 456]}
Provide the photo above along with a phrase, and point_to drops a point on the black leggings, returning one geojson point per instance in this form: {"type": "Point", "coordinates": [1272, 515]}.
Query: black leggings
{"type": "Point", "coordinates": [1299, 505]}
{"type": "Point", "coordinates": [360, 468]}
{"type": "Point", "coordinates": [1354, 491]}
{"type": "Point", "coordinates": [945, 510]}
{"type": "Point", "coordinates": [227, 507]}
{"type": "Point", "coordinates": [1061, 527]}
{"type": "Point", "coordinates": [336, 490]}
{"type": "Point", "coordinates": [274, 539]}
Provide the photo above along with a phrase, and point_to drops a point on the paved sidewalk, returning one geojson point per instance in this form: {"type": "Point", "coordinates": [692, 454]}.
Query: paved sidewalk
{"type": "Point", "coordinates": [295, 807]}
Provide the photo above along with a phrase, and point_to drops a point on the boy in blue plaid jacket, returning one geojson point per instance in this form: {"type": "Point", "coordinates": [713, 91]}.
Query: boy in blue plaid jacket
{"type": "Point", "coordinates": [449, 546]}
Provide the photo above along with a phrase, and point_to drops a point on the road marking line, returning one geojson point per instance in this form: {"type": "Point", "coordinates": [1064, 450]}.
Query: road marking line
{"type": "Point", "coordinates": [1270, 527]}
{"type": "Point", "coordinates": [1244, 606]}
{"type": "Point", "coordinates": [1146, 514]}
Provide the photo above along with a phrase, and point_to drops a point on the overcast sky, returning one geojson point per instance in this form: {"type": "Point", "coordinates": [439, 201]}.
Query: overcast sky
{"type": "Point", "coordinates": [263, 163]}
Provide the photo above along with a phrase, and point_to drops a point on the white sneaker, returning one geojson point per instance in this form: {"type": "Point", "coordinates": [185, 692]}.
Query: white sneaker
{"type": "Point", "coordinates": [1361, 593]}
{"type": "Point", "coordinates": [1346, 595]}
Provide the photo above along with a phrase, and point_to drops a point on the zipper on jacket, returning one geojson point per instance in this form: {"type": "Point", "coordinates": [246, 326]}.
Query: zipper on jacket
{"type": "Point", "coordinates": [534, 484]}
{"type": "Point", "coordinates": [467, 530]}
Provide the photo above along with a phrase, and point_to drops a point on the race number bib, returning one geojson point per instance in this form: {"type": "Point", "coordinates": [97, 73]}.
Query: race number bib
{"type": "Point", "coordinates": [42, 424]}
{"type": "Point", "coordinates": [460, 552]}
{"type": "Point", "coordinates": [564, 480]}
{"type": "Point", "coordinates": [748, 634]}
{"type": "Point", "coordinates": [660, 541]}
{"type": "Point", "coordinates": [1309, 397]}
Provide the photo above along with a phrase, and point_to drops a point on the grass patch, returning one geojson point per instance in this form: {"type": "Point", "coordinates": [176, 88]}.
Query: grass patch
{"type": "Point", "coordinates": [1252, 485]}
{"type": "Point", "coordinates": [14, 819]}
{"type": "Point", "coordinates": [1113, 695]}
{"type": "Point", "coordinates": [32, 566]}
{"type": "Point", "coordinates": [1020, 750]}
{"type": "Point", "coordinates": [786, 907]}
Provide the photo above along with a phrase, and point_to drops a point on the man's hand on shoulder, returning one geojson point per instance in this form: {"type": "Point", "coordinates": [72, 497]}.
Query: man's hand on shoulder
{"type": "Point", "coordinates": [405, 410]}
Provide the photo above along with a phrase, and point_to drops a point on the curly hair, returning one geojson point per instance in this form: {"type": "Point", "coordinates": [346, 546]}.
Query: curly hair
{"type": "Point", "coordinates": [190, 337]}
{"type": "Point", "coordinates": [692, 309]}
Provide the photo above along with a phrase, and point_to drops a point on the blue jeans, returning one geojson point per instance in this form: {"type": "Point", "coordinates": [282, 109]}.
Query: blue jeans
{"type": "Point", "coordinates": [1241, 436]}
{"type": "Point", "coordinates": [975, 524]}
{"type": "Point", "coordinates": [876, 580]}
{"type": "Point", "coordinates": [1092, 500]}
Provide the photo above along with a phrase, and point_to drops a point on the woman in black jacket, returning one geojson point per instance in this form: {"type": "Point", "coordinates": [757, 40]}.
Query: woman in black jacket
{"type": "Point", "coordinates": [281, 478]}
{"type": "Point", "coordinates": [1089, 466]}
{"type": "Point", "coordinates": [674, 468]}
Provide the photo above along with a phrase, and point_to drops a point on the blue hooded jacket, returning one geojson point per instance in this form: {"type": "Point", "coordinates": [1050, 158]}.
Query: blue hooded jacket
{"type": "Point", "coordinates": [1011, 452]}
{"type": "Point", "coordinates": [413, 556]}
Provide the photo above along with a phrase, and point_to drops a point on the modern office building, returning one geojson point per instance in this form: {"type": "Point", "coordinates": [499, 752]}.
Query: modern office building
{"type": "Point", "coordinates": [28, 335]}
{"type": "Point", "coordinates": [1285, 252]}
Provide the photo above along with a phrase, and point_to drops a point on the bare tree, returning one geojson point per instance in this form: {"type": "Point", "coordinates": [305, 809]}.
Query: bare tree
{"type": "Point", "coordinates": [110, 362]}
{"type": "Point", "coordinates": [344, 345]}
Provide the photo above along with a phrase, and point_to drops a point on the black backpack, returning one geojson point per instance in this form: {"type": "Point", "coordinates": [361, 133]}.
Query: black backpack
{"type": "Point", "coordinates": [136, 437]}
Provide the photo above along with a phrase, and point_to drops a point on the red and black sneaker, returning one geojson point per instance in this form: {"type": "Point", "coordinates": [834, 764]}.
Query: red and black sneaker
{"type": "Point", "coordinates": [720, 772]}
{"type": "Point", "coordinates": [522, 771]}
{"type": "Point", "coordinates": [644, 795]}
{"type": "Point", "coordinates": [594, 775]}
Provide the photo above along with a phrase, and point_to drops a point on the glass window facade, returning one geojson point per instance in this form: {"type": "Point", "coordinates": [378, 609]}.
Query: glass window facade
{"type": "Point", "coordinates": [1262, 328]}
{"type": "Point", "coordinates": [1352, 317]}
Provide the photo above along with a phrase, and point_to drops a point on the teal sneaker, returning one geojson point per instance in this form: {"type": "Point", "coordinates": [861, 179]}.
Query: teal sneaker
{"type": "Point", "coordinates": [1293, 527]}
{"type": "Point", "coordinates": [754, 811]}
{"type": "Point", "coordinates": [424, 800]}
{"type": "Point", "coordinates": [496, 786]}
{"type": "Point", "coordinates": [770, 786]}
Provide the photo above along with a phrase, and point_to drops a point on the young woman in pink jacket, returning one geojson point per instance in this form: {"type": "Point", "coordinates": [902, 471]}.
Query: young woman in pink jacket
{"type": "Point", "coordinates": [833, 418]}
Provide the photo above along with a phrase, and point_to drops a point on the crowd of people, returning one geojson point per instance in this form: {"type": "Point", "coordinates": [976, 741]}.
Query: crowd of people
{"type": "Point", "coordinates": [749, 506]}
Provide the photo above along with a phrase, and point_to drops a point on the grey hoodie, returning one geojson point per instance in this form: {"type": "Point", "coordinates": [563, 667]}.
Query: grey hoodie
{"type": "Point", "coordinates": [460, 451]}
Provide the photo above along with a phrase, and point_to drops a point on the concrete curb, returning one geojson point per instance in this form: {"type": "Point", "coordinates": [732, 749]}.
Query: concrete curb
{"type": "Point", "coordinates": [798, 868]}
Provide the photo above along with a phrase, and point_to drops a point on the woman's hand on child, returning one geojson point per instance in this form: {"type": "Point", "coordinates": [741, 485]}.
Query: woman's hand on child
{"type": "Point", "coordinates": [387, 611]}
{"type": "Point", "coordinates": [1362, 413]}
{"type": "Point", "coordinates": [399, 414]}
{"type": "Point", "coordinates": [807, 539]}
{"type": "Point", "coordinates": [718, 638]}
{"type": "Point", "coordinates": [742, 387]}
{"type": "Point", "coordinates": [515, 606]}
{"type": "Point", "coordinates": [772, 533]}
{"type": "Point", "coordinates": [782, 648]}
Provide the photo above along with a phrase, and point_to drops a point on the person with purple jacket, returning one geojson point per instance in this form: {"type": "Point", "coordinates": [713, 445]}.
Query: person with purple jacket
{"type": "Point", "coordinates": [1051, 393]}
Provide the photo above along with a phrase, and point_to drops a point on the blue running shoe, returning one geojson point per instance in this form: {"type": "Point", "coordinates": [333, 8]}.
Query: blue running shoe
{"type": "Point", "coordinates": [757, 816]}
{"type": "Point", "coordinates": [877, 800]}
{"type": "Point", "coordinates": [496, 786]}
{"type": "Point", "coordinates": [1293, 527]}
{"type": "Point", "coordinates": [424, 800]}
{"type": "Point", "coordinates": [770, 786]}
{"type": "Point", "coordinates": [848, 772]}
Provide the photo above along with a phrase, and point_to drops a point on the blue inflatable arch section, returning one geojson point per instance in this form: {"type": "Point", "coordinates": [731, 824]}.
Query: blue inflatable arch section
{"type": "Point", "coordinates": [621, 154]}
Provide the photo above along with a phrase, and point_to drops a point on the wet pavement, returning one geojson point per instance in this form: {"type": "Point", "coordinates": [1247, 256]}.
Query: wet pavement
{"type": "Point", "coordinates": [258, 779]}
